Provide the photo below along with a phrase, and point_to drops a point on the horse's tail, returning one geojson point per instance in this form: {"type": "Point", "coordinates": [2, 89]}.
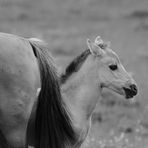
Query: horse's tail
{"type": "Point", "coordinates": [53, 128]}
{"type": "Point", "coordinates": [3, 142]}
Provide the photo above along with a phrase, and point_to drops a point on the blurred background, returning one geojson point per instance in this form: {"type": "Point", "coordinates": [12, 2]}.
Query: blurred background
{"type": "Point", "coordinates": [65, 25]}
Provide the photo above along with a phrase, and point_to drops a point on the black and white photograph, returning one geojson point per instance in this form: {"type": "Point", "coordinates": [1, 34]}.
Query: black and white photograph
{"type": "Point", "coordinates": [73, 73]}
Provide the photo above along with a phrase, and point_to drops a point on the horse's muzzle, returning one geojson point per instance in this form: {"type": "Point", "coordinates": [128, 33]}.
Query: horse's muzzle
{"type": "Point", "coordinates": [131, 91]}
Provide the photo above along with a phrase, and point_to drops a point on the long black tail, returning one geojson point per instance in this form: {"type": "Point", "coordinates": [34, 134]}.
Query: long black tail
{"type": "Point", "coordinates": [53, 127]}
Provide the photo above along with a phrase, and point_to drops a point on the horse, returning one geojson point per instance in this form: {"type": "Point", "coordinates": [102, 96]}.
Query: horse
{"type": "Point", "coordinates": [41, 108]}
{"type": "Point", "coordinates": [84, 79]}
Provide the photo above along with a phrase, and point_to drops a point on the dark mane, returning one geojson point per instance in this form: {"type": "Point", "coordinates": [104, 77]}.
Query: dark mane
{"type": "Point", "coordinates": [74, 66]}
{"type": "Point", "coordinates": [53, 126]}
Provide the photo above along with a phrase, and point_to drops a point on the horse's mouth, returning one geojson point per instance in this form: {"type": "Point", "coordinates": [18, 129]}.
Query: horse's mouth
{"type": "Point", "coordinates": [130, 92]}
{"type": "Point", "coordinates": [124, 91]}
{"type": "Point", "coordinates": [117, 90]}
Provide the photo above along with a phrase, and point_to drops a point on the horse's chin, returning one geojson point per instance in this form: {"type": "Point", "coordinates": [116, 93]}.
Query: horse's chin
{"type": "Point", "coordinates": [121, 91]}
{"type": "Point", "coordinates": [126, 92]}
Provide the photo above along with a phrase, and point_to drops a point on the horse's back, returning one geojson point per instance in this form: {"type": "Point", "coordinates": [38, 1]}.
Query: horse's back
{"type": "Point", "coordinates": [19, 80]}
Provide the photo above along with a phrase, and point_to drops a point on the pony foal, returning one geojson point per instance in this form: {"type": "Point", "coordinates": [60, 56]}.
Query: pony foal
{"type": "Point", "coordinates": [87, 75]}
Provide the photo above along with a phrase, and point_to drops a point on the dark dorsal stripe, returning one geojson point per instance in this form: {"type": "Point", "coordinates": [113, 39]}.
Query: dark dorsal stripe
{"type": "Point", "coordinates": [74, 66]}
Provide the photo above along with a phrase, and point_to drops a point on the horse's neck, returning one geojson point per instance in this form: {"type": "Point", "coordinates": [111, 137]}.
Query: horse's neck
{"type": "Point", "coordinates": [82, 92]}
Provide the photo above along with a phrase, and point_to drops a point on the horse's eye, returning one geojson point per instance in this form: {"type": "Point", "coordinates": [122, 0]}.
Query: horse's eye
{"type": "Point", "coordinates": [113, 67]}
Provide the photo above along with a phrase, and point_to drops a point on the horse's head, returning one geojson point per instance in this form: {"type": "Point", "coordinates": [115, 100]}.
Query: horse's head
{"type": "Point", "coordinates": [111, 72]}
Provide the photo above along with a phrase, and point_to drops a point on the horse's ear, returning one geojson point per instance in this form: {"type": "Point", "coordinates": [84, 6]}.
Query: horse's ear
{"type": "Point", "coordinates": [94, 48]}
{"type": "Point", "coordinates": [98, 41]}
{"type": "Point", "coordinates": [103, 45]}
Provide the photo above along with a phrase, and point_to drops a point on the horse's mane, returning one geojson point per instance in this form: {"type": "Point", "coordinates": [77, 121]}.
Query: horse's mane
{"type": "Point", "coordinates": [74, 66]}
{"type": "Point", "coordinates": [53, 125]}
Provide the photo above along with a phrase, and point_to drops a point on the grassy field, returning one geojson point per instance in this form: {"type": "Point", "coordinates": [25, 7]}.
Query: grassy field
{"type": "Point", "coordinates": [65, 25]}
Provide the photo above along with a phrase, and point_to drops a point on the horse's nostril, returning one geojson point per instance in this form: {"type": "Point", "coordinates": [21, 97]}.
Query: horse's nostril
{"type": "Point", "coordinates": [133, 87]}
{"type": "Point", "coordinates": [131, 91]}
